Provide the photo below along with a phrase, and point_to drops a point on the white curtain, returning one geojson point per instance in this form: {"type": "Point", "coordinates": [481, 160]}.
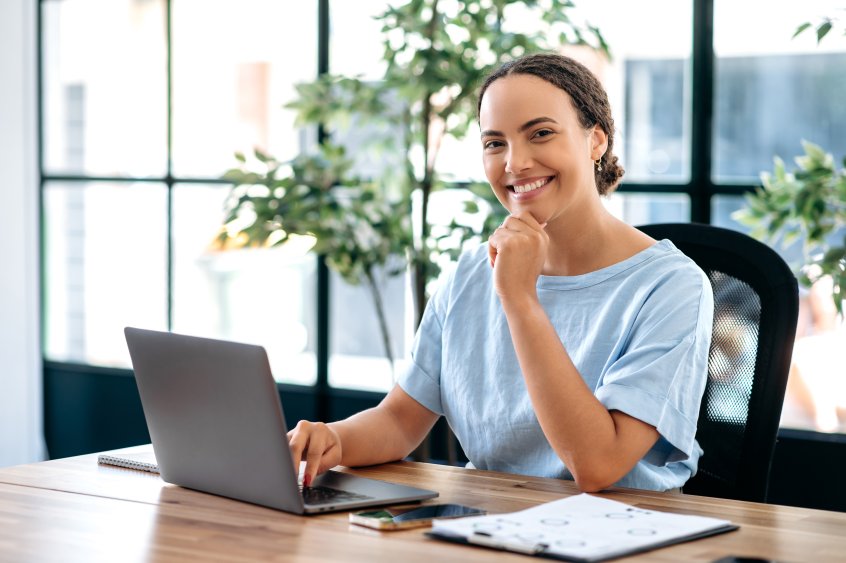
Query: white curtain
{"type": "Point", "coordinates": [21, 429]}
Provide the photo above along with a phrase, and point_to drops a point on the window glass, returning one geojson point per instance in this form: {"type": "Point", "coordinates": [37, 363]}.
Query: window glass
{"type": "Point", "coordinates": [772, 91]}
{"type": "Point", "coordinates": [358, 359]}
{"type": "Point", "coordinates": [234, 67]}
{"type": "Point", "coordinates": [647, 83]}
{"type": "Point", "coordinates": [105, 95]}
{"type": "Point", "coordinates": [105, 268]}
{"type": "Point", "coordinates": [816, 388]}
{"type": "Point", "coordinates": [357, 350]}
{"type": "Point", "coordinates": [644, 209]}
{"type": "Point", "coordinates": [355, 38]}
{"type": "Point", "coordinates": [260, 296]}
{"type": "Point", "coordinates": [356, 50]}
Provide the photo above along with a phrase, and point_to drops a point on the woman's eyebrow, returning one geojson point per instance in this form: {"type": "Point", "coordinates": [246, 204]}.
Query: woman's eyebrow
{"type": "Point", "coordinates": [528, 125]}
{"type": "Point", "coordinates": [532, 122]}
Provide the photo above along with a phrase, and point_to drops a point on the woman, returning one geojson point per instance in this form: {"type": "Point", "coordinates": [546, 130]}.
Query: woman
{"type": "Point", "coordinates": [571, 345]}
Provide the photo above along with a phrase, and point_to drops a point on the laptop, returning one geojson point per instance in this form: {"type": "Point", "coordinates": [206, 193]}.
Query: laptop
{"type": "Point", "coordinates": [216, 423]}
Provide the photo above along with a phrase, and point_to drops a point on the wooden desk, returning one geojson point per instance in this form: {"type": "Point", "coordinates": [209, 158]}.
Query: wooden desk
{"type": "Point", "coordinates": [75, 510]}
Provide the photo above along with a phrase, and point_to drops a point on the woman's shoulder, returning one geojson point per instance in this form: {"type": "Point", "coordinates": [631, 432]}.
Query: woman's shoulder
{"type": "Point", "coordinates": [672, 262]}
{"type": "Point", "coordinates": [679, 281]}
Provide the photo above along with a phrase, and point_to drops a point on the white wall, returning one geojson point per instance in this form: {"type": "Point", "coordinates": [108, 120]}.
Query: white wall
{"type": "Point", "coordinates": [21, 429]}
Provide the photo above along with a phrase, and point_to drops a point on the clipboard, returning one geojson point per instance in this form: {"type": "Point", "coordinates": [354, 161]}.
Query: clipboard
{"type": "Point", "coordinates": [581, 528]}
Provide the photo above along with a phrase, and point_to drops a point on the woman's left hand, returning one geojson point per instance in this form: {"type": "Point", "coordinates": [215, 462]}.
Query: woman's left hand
{"type": "Point", "coordinates": [517, 250]}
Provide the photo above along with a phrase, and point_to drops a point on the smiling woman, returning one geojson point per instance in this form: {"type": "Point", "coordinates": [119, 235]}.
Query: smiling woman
{"type": "Point", "coordinates": [589, 339]}
{"type": "Point", "coordinates": [594, 109]}
{"type": "Point", "coordinates": [543, 149]}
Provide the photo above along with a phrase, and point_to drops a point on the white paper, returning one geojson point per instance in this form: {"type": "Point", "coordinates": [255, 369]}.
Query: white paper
{"type": "Point", "coordinates": [581, 526]}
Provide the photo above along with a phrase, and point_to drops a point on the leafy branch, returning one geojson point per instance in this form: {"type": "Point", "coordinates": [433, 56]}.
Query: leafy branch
{"type": "Point", "coordinates": [436, 54]}
{"type": "Point", "coordinates": [809, 203]}
{"type": "Point", "coordinates": [356, 229]}
{"type": "Point", "coordinates": [822, 28]}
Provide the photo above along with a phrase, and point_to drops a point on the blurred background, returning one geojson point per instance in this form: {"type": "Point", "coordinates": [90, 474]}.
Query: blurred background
{"type": "Point", "coordinates": [133, 110]}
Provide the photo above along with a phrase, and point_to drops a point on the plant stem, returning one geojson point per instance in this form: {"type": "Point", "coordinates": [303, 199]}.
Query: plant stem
{"type": "Point", "coordinates": [425, 185]}
{"type": "Point", "coordinates": [380, 315]}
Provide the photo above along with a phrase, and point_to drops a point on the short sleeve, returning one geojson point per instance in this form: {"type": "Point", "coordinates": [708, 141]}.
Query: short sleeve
{"type": "Point", "coordinates": [660, 377]}
{"type": "Point", "coordinates": [422, 380]}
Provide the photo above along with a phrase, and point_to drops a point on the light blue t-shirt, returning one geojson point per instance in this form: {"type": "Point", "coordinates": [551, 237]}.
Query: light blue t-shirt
{"type": "Point", "coordinates": [638, 332]}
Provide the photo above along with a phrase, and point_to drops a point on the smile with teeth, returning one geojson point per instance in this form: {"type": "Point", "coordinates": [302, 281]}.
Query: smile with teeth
{"type": "Point", "coordinates": [531, 186]}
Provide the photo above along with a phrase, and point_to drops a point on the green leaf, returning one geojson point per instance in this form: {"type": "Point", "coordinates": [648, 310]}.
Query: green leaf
{"type": "Point", "coordinates": [261, 155]}
{"type": "Point", "coordinates": [823, 29]}
{"type": "Point", "coordinates": [834, 255]}
{"type": "Point", "coordinates": [814, 152]}
{"type": "Point", "coordinates": [801, 28]}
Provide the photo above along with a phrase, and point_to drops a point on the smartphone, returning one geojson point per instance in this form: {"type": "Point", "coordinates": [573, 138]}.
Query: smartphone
{"type": "Point", "coordinates": [404, 517]}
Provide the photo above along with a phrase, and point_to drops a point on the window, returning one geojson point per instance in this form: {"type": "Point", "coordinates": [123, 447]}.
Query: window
{"type": "Point", "coordinates": [772, 91]}
{"type": "Point", "coordinates": [770, 94]}
{"type": "Point", "coordinates": [105, 267]}
{"type": "Point", "coordinates": [103, 105]}
{"type": "Point", "coordinates": [145, 101]}
{"type": "Point", "coordinates": [648, 83]}
{"type": "Point", "coordinates": [131, 197]}
{"type": "Point", "coordinates": [357, 357]}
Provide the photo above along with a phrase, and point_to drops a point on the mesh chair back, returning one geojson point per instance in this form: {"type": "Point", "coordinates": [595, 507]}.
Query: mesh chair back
{"type": "Point", "coordinates": [756, 305]}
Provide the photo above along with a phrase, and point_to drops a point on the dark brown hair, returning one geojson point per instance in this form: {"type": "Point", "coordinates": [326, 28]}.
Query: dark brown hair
{"type": "Point", "coordinates": [589, 99]}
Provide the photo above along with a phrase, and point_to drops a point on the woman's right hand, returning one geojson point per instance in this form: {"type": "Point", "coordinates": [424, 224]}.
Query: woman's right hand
{"type": "Point", "coordinates": [517, 250]}
{"type": "Point", "coordinates": [316, 443]}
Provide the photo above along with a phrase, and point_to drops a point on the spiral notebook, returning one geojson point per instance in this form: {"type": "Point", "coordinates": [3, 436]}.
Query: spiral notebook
{"type": "Point", "coordinates": [581, 528]}
{"type": "Point", "coordinates": [145, 461]}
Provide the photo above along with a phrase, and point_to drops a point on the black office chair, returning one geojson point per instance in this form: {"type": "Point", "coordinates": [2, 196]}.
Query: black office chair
{"type": "Point", "coordinates": [756, 305]}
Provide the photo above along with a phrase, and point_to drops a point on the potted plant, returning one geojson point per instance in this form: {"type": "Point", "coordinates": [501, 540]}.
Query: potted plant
{"type": "Point", "coordinates": [809, 203]}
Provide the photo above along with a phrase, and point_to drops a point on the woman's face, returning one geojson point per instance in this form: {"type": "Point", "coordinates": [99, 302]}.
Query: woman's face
{"type": "Point", "coordinates": [537, 156]}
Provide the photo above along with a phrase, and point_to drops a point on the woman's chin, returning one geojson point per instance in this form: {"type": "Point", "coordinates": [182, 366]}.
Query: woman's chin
{"type": "Point", "coordinates": [540, 215]}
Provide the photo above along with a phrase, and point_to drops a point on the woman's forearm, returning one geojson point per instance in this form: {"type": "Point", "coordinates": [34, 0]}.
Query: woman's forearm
{"type": "Point", "coordinates": [388, 432]}
{"type": "Point", "coordinates": [585, 435]}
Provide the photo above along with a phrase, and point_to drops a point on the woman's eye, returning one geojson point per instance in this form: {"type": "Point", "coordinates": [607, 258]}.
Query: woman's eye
{"type": "Point", "coordinates": [543, 133]}
{"type": "Point", "coordinates": [492, 144]}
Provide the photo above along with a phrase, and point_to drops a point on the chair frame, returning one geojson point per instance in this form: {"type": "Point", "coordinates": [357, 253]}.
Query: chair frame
{"type": "Point", "coordinates": [754, 263]}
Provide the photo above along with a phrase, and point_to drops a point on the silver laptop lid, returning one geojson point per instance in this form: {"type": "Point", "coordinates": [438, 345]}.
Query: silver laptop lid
{"type": "Point", "coordinates": [216, 424]}
{"type": "Point", "coordinates": [214, 417]}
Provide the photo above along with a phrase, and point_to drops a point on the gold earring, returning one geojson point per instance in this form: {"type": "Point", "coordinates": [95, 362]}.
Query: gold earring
{"type": "Point", "coordinates": [598, 162]}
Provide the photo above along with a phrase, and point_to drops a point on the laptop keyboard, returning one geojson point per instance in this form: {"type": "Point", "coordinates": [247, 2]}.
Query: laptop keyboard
{"type": "Point", "coordinates": [325, 495]}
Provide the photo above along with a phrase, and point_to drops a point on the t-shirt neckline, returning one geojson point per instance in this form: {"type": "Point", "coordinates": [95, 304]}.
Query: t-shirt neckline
{"type": "Point", "coordinates": [602, 274]}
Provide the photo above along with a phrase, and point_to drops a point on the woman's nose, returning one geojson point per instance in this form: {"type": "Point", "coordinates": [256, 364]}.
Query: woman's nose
{"type": "Point", "coordinates": [518, 160]}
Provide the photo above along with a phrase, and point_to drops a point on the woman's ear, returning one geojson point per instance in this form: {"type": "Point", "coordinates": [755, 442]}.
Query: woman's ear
{"type": "Point", "coordinates": [599, 142]}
